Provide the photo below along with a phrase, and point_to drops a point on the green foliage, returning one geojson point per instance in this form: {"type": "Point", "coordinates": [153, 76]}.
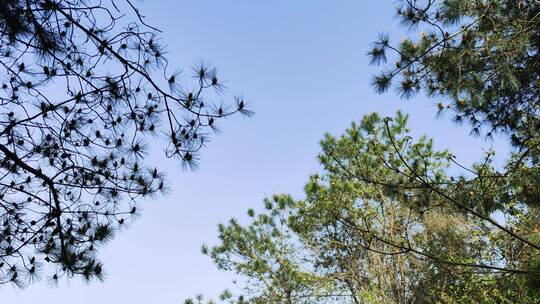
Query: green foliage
{"type": "Point", "coordinates": [268, 253]}
{"type": "Point", "coordinates": [384, 222]}
{"type": "Point", "coordinates": [390, 219]}
{"type": "Point", "coordinates": [480, 57]}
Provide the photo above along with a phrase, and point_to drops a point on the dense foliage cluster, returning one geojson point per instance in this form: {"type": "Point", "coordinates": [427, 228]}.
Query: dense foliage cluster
{"type": "Point", "coordinates": [84, 84]}
{"type": "Point", "coordinates": [481, 57]}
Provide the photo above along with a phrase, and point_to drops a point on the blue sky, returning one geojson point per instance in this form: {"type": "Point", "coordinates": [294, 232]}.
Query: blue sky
{"type": "Point", "coordinates": [302, 66]}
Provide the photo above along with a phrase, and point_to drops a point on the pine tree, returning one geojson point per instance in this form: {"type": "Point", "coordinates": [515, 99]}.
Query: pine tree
{"type": "Point", "coordinates": [385, 221]}
{"type": "Point", "coordinates": [479, 57]}
{"type": "Point", "coordinates": [84, 85]}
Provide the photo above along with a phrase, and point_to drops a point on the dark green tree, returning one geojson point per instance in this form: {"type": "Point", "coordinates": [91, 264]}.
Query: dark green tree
{"type": "Point", "coordinates": [479, 56]}
{"type": "Point", "coordinates": [84, 84]}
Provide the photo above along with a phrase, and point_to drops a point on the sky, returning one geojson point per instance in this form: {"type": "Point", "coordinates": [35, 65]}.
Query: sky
{"type": "Point", "coordinates": [302, 65]}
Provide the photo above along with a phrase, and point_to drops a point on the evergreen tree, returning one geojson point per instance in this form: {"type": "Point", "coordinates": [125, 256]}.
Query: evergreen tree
{"type": "Point", "coordinates": [480, 57]}
{"type": "Point", "coordinates": [84, 84]}
{"type": "Point", "coordinates": [385, 221]}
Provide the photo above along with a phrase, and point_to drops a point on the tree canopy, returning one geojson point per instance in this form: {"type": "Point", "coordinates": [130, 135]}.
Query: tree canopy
{"type": "Point", "coordinates": [85, 84]}
{"type": "Point", "coordinates": [479, 57]}
{"type": "Point", "coordinates": [385, 222]}
{"type": "Point", "coordinates": [391, 219]}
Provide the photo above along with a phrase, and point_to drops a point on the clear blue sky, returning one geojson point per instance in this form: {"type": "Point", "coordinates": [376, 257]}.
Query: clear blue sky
{"type": "Point", "coordinates": [302, 65]}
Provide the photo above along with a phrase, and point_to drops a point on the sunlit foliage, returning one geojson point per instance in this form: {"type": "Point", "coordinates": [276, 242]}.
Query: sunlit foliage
{"type": "Point", "coordinates": [386, 222]}
{"type": "Point", "coordinates": [391, 219]}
